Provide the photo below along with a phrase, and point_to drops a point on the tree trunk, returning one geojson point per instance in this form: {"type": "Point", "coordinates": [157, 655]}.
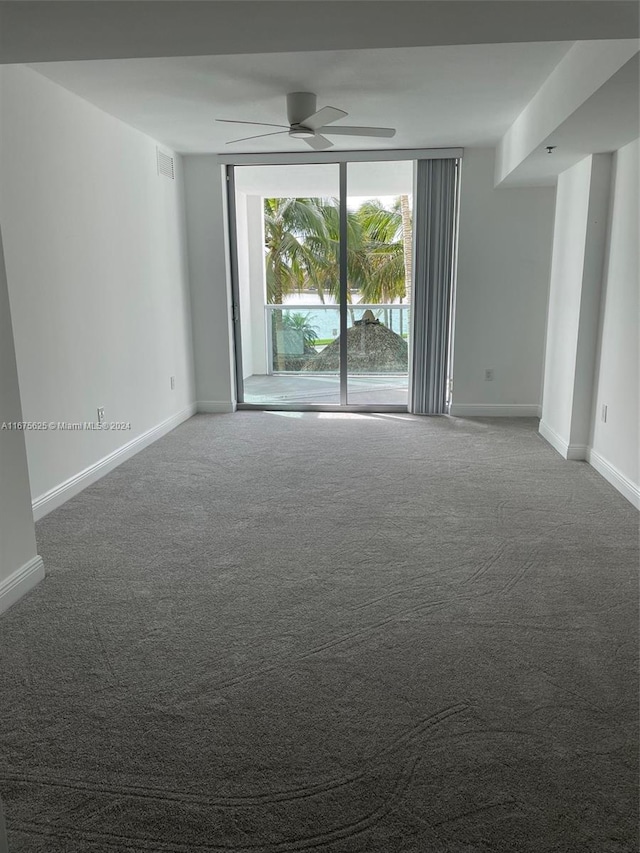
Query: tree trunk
{"type": "Point", "coordinates": [407, 244]}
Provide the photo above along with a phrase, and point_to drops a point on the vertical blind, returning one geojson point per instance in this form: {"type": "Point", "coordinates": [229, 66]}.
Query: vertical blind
{"type": "Point", "coordinates": [435, 206]}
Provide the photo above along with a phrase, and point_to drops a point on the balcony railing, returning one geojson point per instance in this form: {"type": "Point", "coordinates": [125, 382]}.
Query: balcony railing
{"type": "Point", "coordinates": [298, 333]}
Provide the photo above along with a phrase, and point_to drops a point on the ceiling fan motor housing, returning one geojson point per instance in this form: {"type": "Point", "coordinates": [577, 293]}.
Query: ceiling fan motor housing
{"type": "Point", "coordinates": [300, 105]}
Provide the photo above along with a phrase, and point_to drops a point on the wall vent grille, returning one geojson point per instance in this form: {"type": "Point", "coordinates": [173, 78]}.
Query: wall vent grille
{"type": "Point", "coordinates": [165, 164]}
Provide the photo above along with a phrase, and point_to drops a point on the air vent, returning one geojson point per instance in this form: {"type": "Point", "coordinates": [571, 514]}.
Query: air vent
{"type": "Point", "coordinates": [165, 164]}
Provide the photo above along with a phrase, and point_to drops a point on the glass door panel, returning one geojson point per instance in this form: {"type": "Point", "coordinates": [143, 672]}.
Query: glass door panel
{"type": "Point", "coordinates": [287, 249]}
{"type": "Point", "coordinates": [379, 276]}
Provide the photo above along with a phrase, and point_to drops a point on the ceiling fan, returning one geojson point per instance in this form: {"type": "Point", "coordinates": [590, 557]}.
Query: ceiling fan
{"type": "Point", "coordinates": [310, 124]}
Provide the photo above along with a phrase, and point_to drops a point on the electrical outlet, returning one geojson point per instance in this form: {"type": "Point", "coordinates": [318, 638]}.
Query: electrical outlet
{"type": "Point", "coordinates": [488, 374]}
{"type": "Point", "coordinates": [100, 415]}
{"type": "Point", "coordinates": [173, 383]}
{"type": "Point", "coordinates": [604, 413]}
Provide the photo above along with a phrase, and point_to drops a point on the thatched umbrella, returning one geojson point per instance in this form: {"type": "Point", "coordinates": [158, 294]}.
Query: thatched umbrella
{"type": "Point", "coordinates": [371, 348]}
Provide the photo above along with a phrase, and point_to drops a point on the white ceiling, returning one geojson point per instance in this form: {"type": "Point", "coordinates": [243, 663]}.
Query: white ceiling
{"type": "Point", "coordinates": [364, 180]}
{"type": "Point", "coordinates": [48, 32]}
{"type": "Point", "coordinates": [439, 96]}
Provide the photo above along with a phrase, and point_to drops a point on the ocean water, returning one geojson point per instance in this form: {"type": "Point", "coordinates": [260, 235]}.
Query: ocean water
{"type": "Point", "coordinates": [326, 320]}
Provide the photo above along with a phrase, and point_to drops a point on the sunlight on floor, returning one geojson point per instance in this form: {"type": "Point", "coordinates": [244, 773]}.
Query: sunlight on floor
{"type": "Point", "coordinates": [325, 415]}
{"type": "Point", "coordinates": [345, 415]}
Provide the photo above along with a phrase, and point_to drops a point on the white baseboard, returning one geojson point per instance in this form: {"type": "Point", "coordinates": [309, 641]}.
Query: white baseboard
{"type": "Point", "coordinates": [577, 452]}
{"type": "Point", "coordinates": [630, 490]}
{"type": "Point", "coordinates": [216, 407]}
{"type": "Point", "coordinates": [573, 452]}
{"type": "Point", "coordinates": [55, 497]}
{"type": "Point", "coordinates": [554, 439]}
{"type": "Point", "coordinates": [495, 410]}
{"type": "Point", "coordinates": [20, 582]}
{"type": "Point", "coordinates": [581, 452]}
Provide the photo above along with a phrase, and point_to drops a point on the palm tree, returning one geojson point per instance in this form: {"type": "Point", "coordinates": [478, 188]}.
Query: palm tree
{"type": "Point", "coordinates": [384, 279]}
{"type": "Point", "coordinates": [325, 272]}
{"type": "Point", "coordinates": [375, 264]}
{"type": "Point", "coordinates": [302, 240]}
{"type": "Point", "coordinates": [303, 325]}
{"type": "Point", "coordinates": [407, 243]}
{"type": "Point", "coordinates": [295, 236]}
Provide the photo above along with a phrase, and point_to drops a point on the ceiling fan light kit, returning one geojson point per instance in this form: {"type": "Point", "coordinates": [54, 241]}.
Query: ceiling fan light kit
{"type": "Point", "coordinates": [310, 124]}
{"type": "Point", "coordinates": [299, 132]}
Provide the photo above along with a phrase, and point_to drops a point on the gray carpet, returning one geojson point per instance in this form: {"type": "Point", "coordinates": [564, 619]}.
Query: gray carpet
{"type": "Point", "coordinates": [352, 634]}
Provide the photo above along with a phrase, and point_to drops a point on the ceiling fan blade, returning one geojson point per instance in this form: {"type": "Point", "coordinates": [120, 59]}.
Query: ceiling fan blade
{"type": "Point", "coordinates": [343, 130]}
{"type": "Point", "coordinates": [324, 116]}
{"type": "Point", "coordinates": [262, 123]}
{"type": "Point", "coordinates": [259, 136]}
{"type": "Point", "coordinates": [318, 143]}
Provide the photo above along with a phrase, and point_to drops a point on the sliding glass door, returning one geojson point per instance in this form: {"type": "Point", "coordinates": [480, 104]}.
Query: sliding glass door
{"type": "Point", "coordinates": [287, 224]}
{"type": "Point", "coordinates": [323, 257]}
{"type": "Point", "coordinates": [379, 281]}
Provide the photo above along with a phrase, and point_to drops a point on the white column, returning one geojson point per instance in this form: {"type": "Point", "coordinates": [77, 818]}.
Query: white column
{"type": "Point", "coordinates": [20, 566]}
{"type": "Point", "coordinates": [580, 236]}
{"type": "Point", "coordinates": [257, 287]}
{"type": "Point", "coordinates": [615, 437]}
{"type": "Point", "coordinates": [244, 288]}
{"type": "Point", "coordinates": [209, 282]}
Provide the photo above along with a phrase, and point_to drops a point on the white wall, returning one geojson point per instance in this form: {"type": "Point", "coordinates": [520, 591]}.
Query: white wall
{"type": "Point", "coordinates": [205, 199]}
{"type": "Point", "coordinates": [20, 567]}
{"type": "Point", "coordinates": [616, 442]}
{"type": "Point", "coordinates": [504, 254]}
{"type": "Point", "coordinates": [98, 280]}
